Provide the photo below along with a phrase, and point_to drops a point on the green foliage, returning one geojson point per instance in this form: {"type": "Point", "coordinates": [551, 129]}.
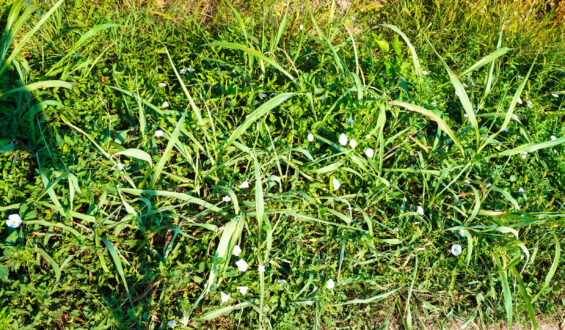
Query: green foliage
{"type": "Point", "coordinates": [123, 227]}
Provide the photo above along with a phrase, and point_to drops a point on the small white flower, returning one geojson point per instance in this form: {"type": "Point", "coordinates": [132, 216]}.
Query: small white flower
{"type": "Point", "coordinates": [368, 136]}
{"type": "Point", "coordinates": [462, 233]}
{"type": "Point", "coordinates": [343, 139]}
{"type": "Point", "coordinates": [521, 189]}
{"type": "Point", "coordinates": [369, 153]}
{"type": "Point", "coordinates": [241, 265]}
{"type": "Point", "coordinates": [224, 297]}
{"type": "Point", "coordinates": [263, 95]}
{"type": "Point", "coordinates": [236, 250]}
{"type": "Point", "coordinates": [330, 285]}
{"type": "Point", "coordinates": [336, 184]}
{"type": "Point", "coordinates": [242, 289]}
{"type": "Point", "coordinates": [190, 69]}
{"type": "Point", "coordinates": [519, 100]}
{"type": "Point", "coordinates": [14, 221]}
{"type": "Point", "coordinates": [226, 198]}
{"type": "Point", "coordinates": [162, 84]}
{"type": "Point", "coordinates": [524, 155]}
{"type": "Point", "coordinates": [349, 121]}
{"type": "Point", "coordinates": [172, 323]}
{"type": "Point", "coordinates": [554, 151]}
{"type": "Point", "coordinates": [310, 137]}
{"type": "Point", "coordinates": [353, 144]}
{"type": "Point", "coordinates": [301, 27]}
{"type": "Point", "coordinates": [555, 95]}
{"type": "Point", "coordinates": [182, 71]}
{"type": "Point", "coordinates": [456, 249]}
{"type": "Point", "coordinates": [159, 133]}
{"type": "Point", "coordinates": [529, 103]}
{"type": "Point", "coordinates": [261, 269]}
{"type": "Point", "coordinates": [244, 185]}
{"type": "Point", "coordinates": [467, 181]}
{"type": "Point", "coordinates": [420, 210]}
{"type": "Point", "coordinates": [425, 73]}
{"type": "Point", "coordinates": [553, 137]}
{"type": "Point", "coordinates": [165, 104]}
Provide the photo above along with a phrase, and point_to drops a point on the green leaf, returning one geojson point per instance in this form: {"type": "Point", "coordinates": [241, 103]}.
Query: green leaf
{"type": "Point", "coordinates": [258, 113]}
{"type": "Point", "coordinates": [531, 147]}
{"type": "Point", "coordinates": [486, 60]}
{"type": "Point", "coordinates": [137, 154]}
{"type": "Point", "coordinates": [433, 116]}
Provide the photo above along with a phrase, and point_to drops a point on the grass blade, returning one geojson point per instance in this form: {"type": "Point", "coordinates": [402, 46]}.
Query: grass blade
{"type": "Point", "coordinates": [117, 263]}
{"type": "Point", "coordinates": [172, 140]}
{"type": "Point", "coordinates": [531, 147]}
{"type": "Point", "coordinates": [433, 116]}
{"type": "Point", "coordinates": [490, 58]}
{"type": "Point", "coordinates": [258, 113]}
{"type": "Point", "coordinates": [415, 59]}
{"type": "Point", "coordinates": [251, 52]}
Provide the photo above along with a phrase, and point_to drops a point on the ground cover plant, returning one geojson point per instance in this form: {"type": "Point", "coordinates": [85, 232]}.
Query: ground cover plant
{"type": "Point", "coordinates": [281, 169]}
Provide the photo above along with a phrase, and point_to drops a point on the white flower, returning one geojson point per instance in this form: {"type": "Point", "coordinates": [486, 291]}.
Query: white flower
{"type": "Point", "coordinates": [14, 221]}
{"type": "Point", "coordinates": [236, 250]}
{"type": "Point", "coordinates": [162, 84]}
{"type": "Point", "coordinates": [190, 69]}
{"type": "Point", "coordinates": [244, 185]}
{"type": "Point", "coordinates": [369, 152]}
{"type": "Point", "coordinates": [555, 95]}
{"type": "Point", "coordinates": [456, 249]}
{"type": "Point", "coordinates": [261, 269]}
{"type": "Point", "coordinates": [524, 155]}
{"type": "Point", "coordinates": [301, 27]}
{"type": "Point", "coordinates": [224, 297]}
{"type": "Point", "coordinates": [310, 137]}
{"type": "Point", "coordinates": [420, 210]}
{"type": "Point", "coordinates": [368, 136]}
{"type": "Point", "coordinates": [521, 189]}
{"type": "Point", "coordinates": [462, 233]}
{"type": "Point", "coordinates": [330, 285]}
{"type": "Point", "coordinates": [165, 104]}
{"type": "Point", "coordinates": [425, 73]}
{"type": "Point", "coordinates": [519, 100]}
{"type": "Point", "coordinates": [335, 184]}
{"type": "Point", "coordinates": [263, 95]}
{"type": "Point", "coordinates": [467, 181]}
{"type": "Point", "coordinates": [241, 265]}
{"type": "Point", "coordinates": [529, 103]}
{"type": "Point", "coordinates": [172, 323]}
{"type": "Point", "coordinates": [349, 121]}
{"type": "Point", "coordinates": [353, 144]}
{"type": "Point", "coordinates": [343, 139]}
{"type": "Point", "coordinates": [553, 137]}
{"type": "Point", "coordinates": [182, 71]}
{"type": "Point", "coordinates": [242, 289]}
{"type": "Point", "coordinates": [159, 133]}
{"type": "Point", "coordinates": [226, 198]}
{"type": "Point", "coordinates": [554, 151]}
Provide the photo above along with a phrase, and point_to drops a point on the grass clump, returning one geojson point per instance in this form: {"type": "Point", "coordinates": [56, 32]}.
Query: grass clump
{"type": "Point", "coordinates": [280, 174]}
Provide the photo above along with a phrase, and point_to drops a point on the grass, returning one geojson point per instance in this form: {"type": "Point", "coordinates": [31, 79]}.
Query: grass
{"type": "Point", "coordinates": [123, 227]}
